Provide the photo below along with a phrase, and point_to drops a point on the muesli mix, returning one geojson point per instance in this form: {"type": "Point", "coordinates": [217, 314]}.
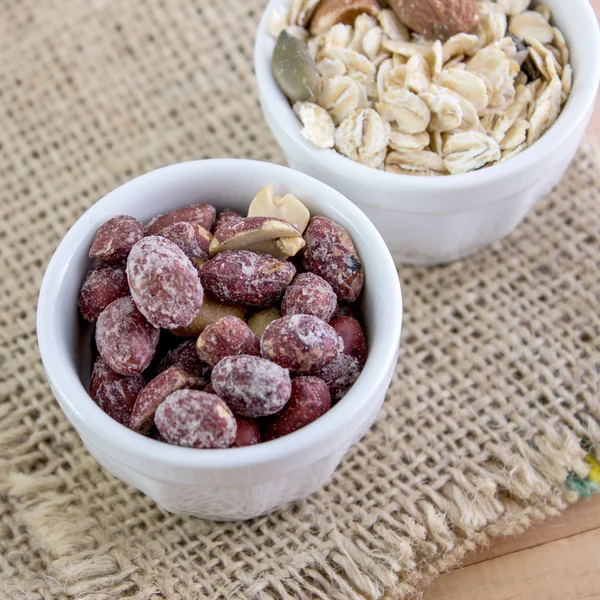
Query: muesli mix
{"type": "Point", "coordinates": [421, 87]}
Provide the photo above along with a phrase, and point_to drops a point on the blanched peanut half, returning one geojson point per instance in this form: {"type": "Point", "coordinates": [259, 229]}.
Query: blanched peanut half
{"type": "Point", "coordinates": [289, 208]}
{"type": "Point", "coordinates": [264, 235]}
{"type": "Point", "coordinates": [209, 312]}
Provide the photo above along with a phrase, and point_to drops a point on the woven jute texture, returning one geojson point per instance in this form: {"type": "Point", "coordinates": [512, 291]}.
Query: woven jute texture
{"type": "Point", "coordinates": [496, 384]}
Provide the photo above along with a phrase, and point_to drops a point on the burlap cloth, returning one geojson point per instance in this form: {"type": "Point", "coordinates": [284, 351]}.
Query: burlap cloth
{"type": "Point", "coordinates": [496, 383]}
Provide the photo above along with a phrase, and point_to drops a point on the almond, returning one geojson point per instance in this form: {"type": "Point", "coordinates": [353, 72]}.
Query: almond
{"type": "Point", "coordinates": [437, 19]}
{"type": "Point", "coordinates": [330, 12]}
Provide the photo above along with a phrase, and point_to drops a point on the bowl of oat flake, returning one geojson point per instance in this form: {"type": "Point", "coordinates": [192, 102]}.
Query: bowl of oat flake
{"type": "Point", "coordinates": [445, 131]}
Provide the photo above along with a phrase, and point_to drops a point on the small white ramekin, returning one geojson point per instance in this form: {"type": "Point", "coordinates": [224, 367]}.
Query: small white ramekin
{"type": "Point", "coordinates": [237, 483]}
{"type": "Point", "coordinates": [432, 220]}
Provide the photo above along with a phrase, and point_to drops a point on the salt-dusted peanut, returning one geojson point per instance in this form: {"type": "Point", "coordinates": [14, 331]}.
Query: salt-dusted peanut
{"type": "Point", "coordinates": [125, 339]}
{"type": "Point", "coordinates": [203, 214]}
{"type": "Point", "coordinates": [259, 321]}
{"type": "Point", "coordinates": [309, 294]}
{"type": "Point", "coordinates": [330, 253]}
{"type": "Point", "coordinates": [248, 432]}
{"type": "Point", "coordinates": [226, 217]}
{"type": "Point", "coordinates": [228, 336]}
{"type": "Point", "coordinates": [340, 375]}
{"type": "Point", "coordinates": [345, 310]}
{"type": "Point", "coordinates": [164, 283]}
{"type": "Point", "coordinates": [264, 235]}
{"type": "Point", "coordinates": [349, 329]}
{"type": "Point", "coordinates": [301, 343]}
{"type": "Point", "coordinates": [155, 434]}
{"type": "Point", "coordinates": [343, 371]}
{"type": "Point", "coordinates": [196, 419]}
{"type": "Point", "coordinates": [101, 286]}
{"type": "Point", "coordinates": [192, 238]}
{"type": "Point", "coordinates": [154, 394]}
{"type": "Point", "coordinates": [115, 394]}
{"type": "Point", "coordinates": [310, 400]}
{"type": "Point", "coordinates": [211, 310]}
{"type": "Point", "coordinates": [185, 357]}
{"type": "Point", "coordinates": [115, 239]}
{"type": "Point", "coordinates": [252, 386]}
{"type": "Point", "coordinates": [246, 278]}
{"type": "Point", "coordinates": [288, 207]}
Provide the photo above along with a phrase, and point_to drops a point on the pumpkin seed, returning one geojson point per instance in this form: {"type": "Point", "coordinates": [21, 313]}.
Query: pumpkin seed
{"type": "Point", "coordinates": [293, 68]}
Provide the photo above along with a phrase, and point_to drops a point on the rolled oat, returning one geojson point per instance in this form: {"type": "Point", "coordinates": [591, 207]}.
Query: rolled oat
{"type": "Point", "coordinates": [390, 99]}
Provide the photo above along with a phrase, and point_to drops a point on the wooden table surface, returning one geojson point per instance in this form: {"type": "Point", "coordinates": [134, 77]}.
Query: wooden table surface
{"type": "Point", "coordinates": [558, 560]}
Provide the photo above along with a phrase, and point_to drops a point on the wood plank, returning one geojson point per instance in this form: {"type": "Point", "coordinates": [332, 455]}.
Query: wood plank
{"type": "Point", "coordinates": [579, 518]}
{"type": "Point", "coordinates": [566, 569]}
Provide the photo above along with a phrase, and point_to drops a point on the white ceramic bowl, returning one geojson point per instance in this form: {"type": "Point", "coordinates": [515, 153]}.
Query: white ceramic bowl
{"type": "Point", "coordinates": [429, 220]}
{"type": "Point", "coordinates": [236, 483]}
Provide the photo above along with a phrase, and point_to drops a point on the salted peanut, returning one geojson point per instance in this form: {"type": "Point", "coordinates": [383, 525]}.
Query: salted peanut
{"type": "Point", "coordinates": [252, 386]}
{"type": "Point", "coordinates": [192, 238]}
{"type": "Point", "coordinates": [331, 254]}
{"type": "Point", "coordinates": [125, 339]}
{"type": "Point", "coordinates": [310, 400]}
{"type": "Point", "coordinates": [155, 393]}
{"type": "Point", "coordinates": [226, 217]}
{"type": "Point", "coordinates": [340, 375]}
{"type": "Point", "coordinates": [330, 12]}
{"type": "Point", "coordinates": [246, 278]}
{"type": "Point", "coordinates": [114, 240]}
{"type": "Point", "coordinates": [101, 286]}
{"type": "Point", "coordinates": [203, 214]}
{"type": "Point", "coordinates": [228, 336]}
{"type": "Point", "coordinates": [345, 310]}
{"type": "Point", "coordinates": [115, 394]}
{"type": "Point", "coordinates": [185, 357]}
{"type": "Point", "coordinates": [309, 294]}
{"type": "Point", "coordinates": [263, 235]}
{"type": "Point", "coordinates": [248, 432]}
{"type": "Point", "coordinates": [164, 283]}
{"type": "Point", "coordinates": [196, 419]}
{"type": "Point", "coordinates": [211, 310]}
{"type": "Point", "coordinates": [301, 343]}
{"type": "Point", "coordinates": [351, 333]}
{"type": "Point", "coordinates": [259, 321]}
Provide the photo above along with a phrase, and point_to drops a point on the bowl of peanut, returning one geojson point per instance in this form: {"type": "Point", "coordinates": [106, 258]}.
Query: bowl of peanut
{"type": "Point", "coordinates": [443, 121]}
{"type": "Point", "coordinates": [220, 332]}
